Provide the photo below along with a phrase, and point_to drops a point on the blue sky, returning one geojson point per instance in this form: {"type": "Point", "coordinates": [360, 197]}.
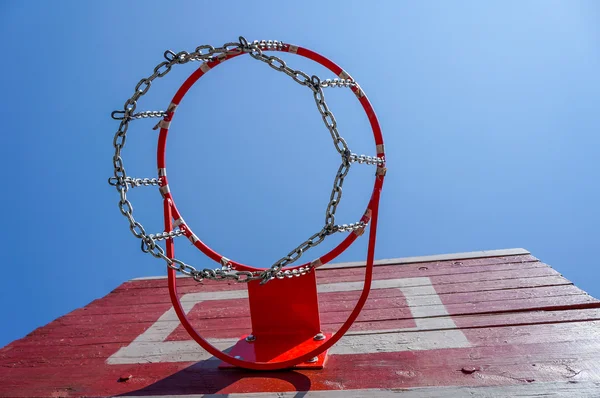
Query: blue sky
{"type": "Point", "coordinates": [489, 112]}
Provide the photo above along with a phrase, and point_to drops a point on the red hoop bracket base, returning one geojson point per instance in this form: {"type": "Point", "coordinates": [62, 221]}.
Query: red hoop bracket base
{"type": "Point", "coordinates": [285, 322]}
{"type": "Point", "coordinates": [277, 350]}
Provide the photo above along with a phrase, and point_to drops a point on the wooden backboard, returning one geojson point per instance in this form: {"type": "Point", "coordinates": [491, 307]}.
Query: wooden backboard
{"type": "Point", "coordinates": [498, 323]}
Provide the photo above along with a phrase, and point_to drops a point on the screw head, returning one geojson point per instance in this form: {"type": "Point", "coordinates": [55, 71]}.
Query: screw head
{"type": "Point", "coordinates": [319, 337]}
{"type": "Point", "coordinates": [250, 338]}
{"type": "Point", "coordinates": [312, 360]}
{"type": "Point", "coordinates": [238, 357]}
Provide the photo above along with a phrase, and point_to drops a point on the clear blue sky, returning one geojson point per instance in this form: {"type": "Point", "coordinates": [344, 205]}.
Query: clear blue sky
{"type": "Point", "coordinates": [490, 113]}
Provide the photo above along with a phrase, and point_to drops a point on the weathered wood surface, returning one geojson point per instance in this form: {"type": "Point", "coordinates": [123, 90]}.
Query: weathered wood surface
{"type": "Point", "coordinates": [531, 390]}
{"type": "Point", "coordinates": [495, 326]}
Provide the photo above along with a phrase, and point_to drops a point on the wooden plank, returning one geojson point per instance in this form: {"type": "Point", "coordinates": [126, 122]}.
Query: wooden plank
{"type": "Point", "coordinates": [407, 370]}
{"type": "Point", "coordinates": [500, 284]}
{"type": "Point", "coordinates": [487, 320]}
{"type": "Point", "coordinates": [582, 300]}
{"type": "Point", "coordinates": [381, 299]}
{"type": "Point", "coordinates": [502, 255]}
{"type": "Point", "coordinates": [528, 390]}
{"type": "Point", "coordinates": [124, 333]}
{"type": "Point", "coordinates": [409, 269]}
{"type": "Point", "coordinates": [504, 367]}
{"type": "Point", "coordinates": [393, 299]}
{"type": "Point", "coordinates": [358, 343]}
{"type": "Point", "coordinates": [501, 347]}
{"type": "Point", "coordinates": [131, 297]}
{"type": "Point", "coordinates": [97, 332]}
{"type": "Point", "coordinates": [440, 289]}
{"type": "Point", "coordinates": [444, 291]}
{"type": "Point", "coordinates": [369, 315]}
{"type": "Point", "coordinates": [498, 255]}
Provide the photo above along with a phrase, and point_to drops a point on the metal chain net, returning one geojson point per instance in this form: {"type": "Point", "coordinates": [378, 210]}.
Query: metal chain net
{"type": "Point", "coordinates": [207, 53]}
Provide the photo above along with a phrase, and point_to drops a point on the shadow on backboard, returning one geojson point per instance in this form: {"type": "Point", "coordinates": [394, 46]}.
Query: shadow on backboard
{"type": "Point", "coordinates": [204, 378]}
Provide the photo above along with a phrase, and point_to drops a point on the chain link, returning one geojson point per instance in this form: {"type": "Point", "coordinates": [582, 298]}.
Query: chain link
{"type": "Point", "coordinates": [255, 50]}
{"type": "Point", "coordinates": [336, 192]}
{"type": "Point", "coordinates": [120, 115]}
{"type": "Point", "coordinates": [167, 235]}
{"type": "Point", "coordinates": [371, 160]}
{"type": "Point", "coordinates": [350, 227]}
{"type": "Point", "coordinates": [294, 272]}
{"type": "Point", "coordinates": [207, 53]}
{"type": "Point", "coordinates": [120, 180]}
{"type": "Point", "coordinates": [316, 85]}
{"type": "Point", "coordinates": [135, 182]}
{"type": "Point", "coordinates": [313, 82]}
{"type": "Point", "coordinates": [148, 114]}
{"type": "Point", "coordinates": [337, 83]}
{"type": "Point", "coordinates": [295, 254]}
{"type": "Point", "coordinates": [222, 274]}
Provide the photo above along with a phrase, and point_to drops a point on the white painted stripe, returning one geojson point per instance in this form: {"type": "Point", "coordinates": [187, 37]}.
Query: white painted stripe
{"type": "Point", "coordinates": [413, 260]}
{"type": "Point", "coordinates": [193, 238]}
{"type": "Point", "coordinates": [359, 232]}
{"type": "Point", "coordinates": [205, 67]}
{"type": "Point", "coordinates": [359, 93]}
{"type": "Point", "coordinates": [344, 75]}
{"type": "Point", "coordinates": [293, 49]}
{"type": "Point", "coordinates": [571, 389]}
{"type": "Point", "coordinates": [397, 342]}
{"type": "Point", "coordinates": [423, 302]}
{"type": "Point", "coordinates": [165, 189]}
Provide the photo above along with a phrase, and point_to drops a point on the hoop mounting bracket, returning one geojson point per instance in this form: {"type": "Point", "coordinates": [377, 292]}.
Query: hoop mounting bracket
{"type": "Point", "coordinates": [285, 322]}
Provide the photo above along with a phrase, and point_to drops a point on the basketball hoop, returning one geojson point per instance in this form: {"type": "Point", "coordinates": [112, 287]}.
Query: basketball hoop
{"type": "Point", "coordinates": [290, 335]}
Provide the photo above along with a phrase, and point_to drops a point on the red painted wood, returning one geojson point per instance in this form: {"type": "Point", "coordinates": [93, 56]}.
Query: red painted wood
{"type": "Point", "coordinates": [480, 273]}
{"type": "Point", "coordinates": [483, 288]}
{"type": "Point", "coordinates": [126, 332]}
{"type": "Point", "coordinates": [414, 269]}
{"type": "Point", "coordinates": [524, 323]}
{"type": "Point", "coordinates": [497, 366]}
{"type": "Point", "coordinates": [335, 318]}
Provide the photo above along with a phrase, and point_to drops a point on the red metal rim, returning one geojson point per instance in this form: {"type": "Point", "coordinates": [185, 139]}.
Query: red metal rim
{"type": "Point", "coordinates": [161, 154]}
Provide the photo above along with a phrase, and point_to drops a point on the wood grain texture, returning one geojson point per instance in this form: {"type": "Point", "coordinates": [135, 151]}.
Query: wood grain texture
{"type": "Point", "coordinates": [488, 326]}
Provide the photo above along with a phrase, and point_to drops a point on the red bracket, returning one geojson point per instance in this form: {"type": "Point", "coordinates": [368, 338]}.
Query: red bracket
{"type": "Point", "coordinates": [285, 323]}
